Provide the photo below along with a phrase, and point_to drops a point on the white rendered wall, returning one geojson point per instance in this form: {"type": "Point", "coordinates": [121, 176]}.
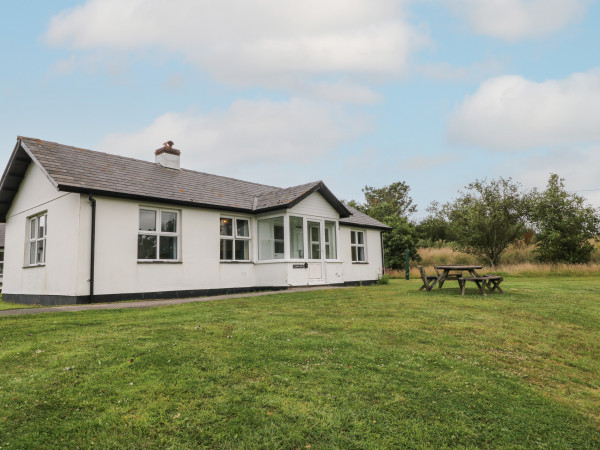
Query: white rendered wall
{"type": "Point", "coordinates": [118, 271]}
{"type": "Point", "coordinates": [57, 277]}
{"type": "Point", "coordinates": [361, 271]}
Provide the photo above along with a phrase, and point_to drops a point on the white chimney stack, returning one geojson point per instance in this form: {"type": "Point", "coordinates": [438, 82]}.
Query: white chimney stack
{"type": "Point", "coordinates": [167, 156]}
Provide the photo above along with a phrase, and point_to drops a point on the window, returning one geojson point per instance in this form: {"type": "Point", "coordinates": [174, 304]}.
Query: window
{"type": "Point", "coordinates": [36, 252]}
{"type": "Point", "coordinates": [357, 245]}
{"type": "Point", "coordinates": [235, 239]}
{"type": "Point", "coordinates": [330, 240]}
{"type": "Point", "coordinates": [158, 235]}
{"type": "Point", "coordinates": [270, 238]}
{"type": "Point", "coordinates": [1, 262]}
{"type": "Point", "coordinates": [296, 237]}
{"type": "Point", "coordinates": [314, 238]}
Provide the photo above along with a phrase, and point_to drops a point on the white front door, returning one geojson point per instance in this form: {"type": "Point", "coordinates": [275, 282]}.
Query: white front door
{"type": "Point", "coordinates": [315, 264]}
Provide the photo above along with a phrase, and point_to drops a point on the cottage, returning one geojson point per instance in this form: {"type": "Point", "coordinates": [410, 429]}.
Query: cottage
{"type": "Point", "coordinates": [84, 226]}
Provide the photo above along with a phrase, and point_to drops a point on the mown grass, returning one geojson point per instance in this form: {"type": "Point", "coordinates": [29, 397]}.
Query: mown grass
{"type": "Point", "coordinates": [8, 305]}
{"type": "Point", "coordinates": [367, 367]}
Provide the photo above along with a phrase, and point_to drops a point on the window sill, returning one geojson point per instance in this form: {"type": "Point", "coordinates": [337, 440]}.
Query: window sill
{"type": "Point", "coordinates": [236, 262]}
{"type": "Point", "coordinates": [360, 262]}
{"type": "Point", "coordinates": [34, 266]}
{"type": "Point", "coordinates": [159, 262]}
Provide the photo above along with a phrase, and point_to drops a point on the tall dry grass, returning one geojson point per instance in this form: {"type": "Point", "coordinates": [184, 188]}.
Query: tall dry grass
{"type": "Point", "coordinates": [514, 262]}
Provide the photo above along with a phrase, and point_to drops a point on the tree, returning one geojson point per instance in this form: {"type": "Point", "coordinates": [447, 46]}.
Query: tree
{"type": "Point", "coordinates": [488, 217]}
{"type": "Point", "coordinates": [564, 224]}
{"type": "Point", "coordinates": [392, 200]}
{"type": "Point", "coordinates": [434, 228]}
{"type": "Point", "coordinates": [391, 205]}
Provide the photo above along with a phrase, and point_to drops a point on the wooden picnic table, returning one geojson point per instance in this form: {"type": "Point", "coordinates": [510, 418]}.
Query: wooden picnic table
{"type": "Point", "coordinates": [457, 271]}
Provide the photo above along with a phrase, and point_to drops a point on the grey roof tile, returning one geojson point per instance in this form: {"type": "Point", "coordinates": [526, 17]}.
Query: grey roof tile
{"type": "Point", "coordinates": [76, 169]}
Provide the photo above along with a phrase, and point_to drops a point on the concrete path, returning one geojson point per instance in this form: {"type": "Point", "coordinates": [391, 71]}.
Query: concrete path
{"type": "Point", "coordinates": [150, 303]}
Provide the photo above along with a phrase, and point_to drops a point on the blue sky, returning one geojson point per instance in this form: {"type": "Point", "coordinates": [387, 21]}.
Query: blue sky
{"type": "Point", "coordinates": [436, 93]}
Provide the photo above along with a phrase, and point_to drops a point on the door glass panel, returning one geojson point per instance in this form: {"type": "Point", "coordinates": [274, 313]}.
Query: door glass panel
{"type": "Point", "coordinates": [147, 220]}
{"type": "Point", "coordinates": [226, 227]}
{"type": "Point", "coordinates": [315, 239]}
{"type": "Point", "coordinates": [168, 222]}
{"type": "Point", "coordinates": [242, 228]}
{"type": "Point", "coordinates": [241, 250]}
{"type": "Point", "coordinates": [168, 247]}
{"type": "Point", "coordinates": [296, 237]}
{"type": "Point", "coordinates": [146, 247]}
{"type": "Point", "coordinates": [226, 249]}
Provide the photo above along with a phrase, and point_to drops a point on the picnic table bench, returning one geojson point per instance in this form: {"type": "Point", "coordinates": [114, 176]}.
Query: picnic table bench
{"type": "Point", "coordinates": [455, 272]}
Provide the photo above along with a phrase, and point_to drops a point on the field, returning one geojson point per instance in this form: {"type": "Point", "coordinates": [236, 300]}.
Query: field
{"type": "Point", "coordinates": [365, 367]}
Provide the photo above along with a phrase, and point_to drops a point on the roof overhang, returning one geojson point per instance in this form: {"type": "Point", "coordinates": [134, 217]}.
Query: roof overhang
{"type": "Point", "coordinates": [13, 176]}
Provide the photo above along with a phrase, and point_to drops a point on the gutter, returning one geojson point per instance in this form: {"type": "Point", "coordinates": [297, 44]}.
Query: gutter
{"type": "Point", "coordinates": [93, 244]}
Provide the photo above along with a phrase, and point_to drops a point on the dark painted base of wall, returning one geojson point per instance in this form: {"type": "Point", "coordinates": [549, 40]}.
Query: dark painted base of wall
{"type": "Point", "coordinates": [56, 300]}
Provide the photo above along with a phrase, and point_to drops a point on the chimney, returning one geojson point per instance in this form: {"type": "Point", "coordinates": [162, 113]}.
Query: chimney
{"type": "Point", "coordinates": [167, 156]}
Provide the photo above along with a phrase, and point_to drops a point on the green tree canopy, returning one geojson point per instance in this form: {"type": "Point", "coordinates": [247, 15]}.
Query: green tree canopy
{"type": "Point", "coordinates": [392, 205]}
{"type": "Point", "coordinates": [565, 224]}
{"type": "Point", "coordinates": [488, 217]}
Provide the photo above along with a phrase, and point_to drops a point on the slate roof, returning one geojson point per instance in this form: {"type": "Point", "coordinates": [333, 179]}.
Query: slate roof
{"type": "Point", "coordinates": [74, 169]}
{"type": "Point", "coordinates": [357, 218]}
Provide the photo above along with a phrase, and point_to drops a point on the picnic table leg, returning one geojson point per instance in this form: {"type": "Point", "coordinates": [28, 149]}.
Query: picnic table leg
{"type": "Point", "coordinates": [442, 278]}
{"type": "Point", "coordinates": [481, 287]}
{"type": "Point", "coordinates": [496, 284]}
{"type": "Point", "coordinates": [462, 286]}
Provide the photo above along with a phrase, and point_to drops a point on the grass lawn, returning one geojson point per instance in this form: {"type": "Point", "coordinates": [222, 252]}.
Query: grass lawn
{"type": "Point", "coordinates": [381, 366]}
{"type": "Point", "coordinates": [7, 305]}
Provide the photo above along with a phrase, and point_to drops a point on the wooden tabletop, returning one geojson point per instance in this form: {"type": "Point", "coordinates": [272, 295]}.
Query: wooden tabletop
{"type": "Point", "coordinates": [461, 267]}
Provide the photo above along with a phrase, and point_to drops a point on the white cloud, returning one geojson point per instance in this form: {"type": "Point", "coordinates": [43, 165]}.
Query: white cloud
{"type": "Point", "coordinates": [247, 135]}
{"type": "Point", "coordinates": [513, 20]}
{"type": "Point", "coordinates": [579, 167]}
{"type": "Point", "coordinates": [512, 113]}
{"type": "Point", "coordinates": [253, 41]}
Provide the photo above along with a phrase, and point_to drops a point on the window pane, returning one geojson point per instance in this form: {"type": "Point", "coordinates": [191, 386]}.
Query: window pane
{"type": "Point", "coordinates": [361, 237]}
{"type": "Point", "coordinates": [226, 227]}
{"type": "Point", "coordinates": [241, 250]}
{"type": "Point", "coordinates": [296, 238]}
{"type": "Point", "coordinates": [168, 247]}
{"type": "Point", "coordinates": [147, 220]}
{"type": "Point", "coordinates": [242, 228]}
{"type": "Point", "coordinates": [168, 222]}
{"type": "Point", "coordinates": [42, 226]}
{"type": "Point", "coordinates": [226, 249]}
{"type": "Point", "coordinates": [361, 253]}
{"type": "Point", "coordinates": [33, 232]}
{"type": "Point", "coordinates": [146, 247]}
{"type": "Point", "coordinates": [330, 239]}
{"type": "Point", "coordinates": [270, 238]}
{"type": "Point", "coordinates": [1, 268]}
{"type": "Point", "coordinates": [40, 252]}
{"type": "Point", "coordinates": [32, 248]}
{"type": "Point", "coordinates": [353, 253]}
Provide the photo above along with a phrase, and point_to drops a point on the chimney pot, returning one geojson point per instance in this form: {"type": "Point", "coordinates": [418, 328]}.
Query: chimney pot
{"type": "Point", "coordinates": [167, 156]}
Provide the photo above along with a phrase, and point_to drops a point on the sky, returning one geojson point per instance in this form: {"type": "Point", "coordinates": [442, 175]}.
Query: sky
{"type": "Point", "coordinates": [435, 93]}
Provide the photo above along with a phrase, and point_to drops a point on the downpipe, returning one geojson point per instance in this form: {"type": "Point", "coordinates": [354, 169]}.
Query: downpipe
{"type": "Point", "coordinates": [93, 245]}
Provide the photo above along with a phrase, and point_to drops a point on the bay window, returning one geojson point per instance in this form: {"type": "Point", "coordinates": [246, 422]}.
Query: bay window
{"type": "Point", "coordinates": [36, 251]}
{"type": "Point", "coordinates": [235, 239]}
{"type": "Point", "coordinates": [158, 235]}
{"type": "Point", "coordinates": [270, 238]}
{"type": "Point", "coordinates": [296, 237]}
{"type": "Point", "coordinates": [330, 240]}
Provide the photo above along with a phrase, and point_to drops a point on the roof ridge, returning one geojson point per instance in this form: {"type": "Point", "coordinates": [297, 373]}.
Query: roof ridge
{"type": "Point", "coordinates": [144, 161]}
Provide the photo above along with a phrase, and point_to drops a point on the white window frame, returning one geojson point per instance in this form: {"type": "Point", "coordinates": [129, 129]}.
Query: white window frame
{"type": "Point", "coordinates": [1, 262]}
{"type": "Point", "coordinates": [36, 239]}
{"type": "Point", "coordinates": [327, 243]}
{"type": "Point", "coordinates": [158, 233]}
{"type": "Point", "coordinates": [235, 237]}
{"type": "Point", "coordinates": [357, 245]}
{"type": "Point", "coordinates": [284, 242]}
